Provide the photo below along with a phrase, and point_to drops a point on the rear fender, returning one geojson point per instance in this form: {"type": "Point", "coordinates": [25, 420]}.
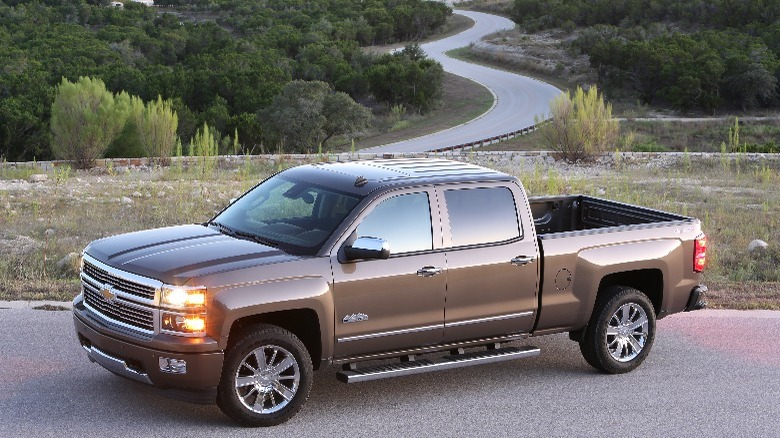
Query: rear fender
{"type": "Point", "coordinates": [593, 265]}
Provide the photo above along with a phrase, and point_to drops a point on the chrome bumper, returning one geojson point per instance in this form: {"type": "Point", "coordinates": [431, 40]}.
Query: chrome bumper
{"type": "Point", "coordinates": [114, 364]}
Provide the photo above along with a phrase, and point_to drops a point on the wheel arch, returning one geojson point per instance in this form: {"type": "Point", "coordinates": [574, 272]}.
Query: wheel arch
{"type": "Point", "coordinates": [303, 323]}
{"type": "Point", "coordinates": [648, 281]}
{"type": "Point", "coordinates": [303, 306]}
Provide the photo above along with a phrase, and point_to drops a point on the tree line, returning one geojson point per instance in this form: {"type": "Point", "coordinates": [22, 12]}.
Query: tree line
{"type": "Point", "coordinates": [221, 62]}
{"type": "Point", "coordinates": [690, 54]}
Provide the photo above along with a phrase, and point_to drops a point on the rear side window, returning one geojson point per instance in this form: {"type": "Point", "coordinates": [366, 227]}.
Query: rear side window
{"type": "Point", "coordinates": [484, 215]}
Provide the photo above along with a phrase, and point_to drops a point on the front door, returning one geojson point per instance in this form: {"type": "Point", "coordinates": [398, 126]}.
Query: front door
{"type": "Point", "coordinates": [384, 305]}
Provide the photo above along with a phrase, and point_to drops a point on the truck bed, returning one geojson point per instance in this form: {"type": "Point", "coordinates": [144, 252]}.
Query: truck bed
{"type": "Point", "coordinates": [564, 214]}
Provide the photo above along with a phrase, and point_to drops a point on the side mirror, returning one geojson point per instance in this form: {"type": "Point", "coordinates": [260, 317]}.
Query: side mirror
{"type": "Point", "coordinates": [368, 248]}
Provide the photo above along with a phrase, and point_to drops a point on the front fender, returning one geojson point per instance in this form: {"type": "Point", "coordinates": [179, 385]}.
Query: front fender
{"type": "Point", "coordinates": [257, 298]}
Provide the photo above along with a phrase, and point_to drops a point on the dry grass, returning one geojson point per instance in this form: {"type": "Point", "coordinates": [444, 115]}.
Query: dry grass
{"type": "Point", "coordinates": [734, 196]}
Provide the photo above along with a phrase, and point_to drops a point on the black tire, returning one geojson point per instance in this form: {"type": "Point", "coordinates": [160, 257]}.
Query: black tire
{"type": "Point", "coordinates": [621, 331]}
{"type": "Point", "coordinates": [266, 377]}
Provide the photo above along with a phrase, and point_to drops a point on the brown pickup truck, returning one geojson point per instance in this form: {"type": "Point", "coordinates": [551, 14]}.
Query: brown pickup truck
{"type": "Point", "coordinates": [382, 261]}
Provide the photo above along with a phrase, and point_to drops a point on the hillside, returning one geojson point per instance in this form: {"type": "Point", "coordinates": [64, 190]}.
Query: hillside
{"type": "Point", "coordinates": [220, 62]}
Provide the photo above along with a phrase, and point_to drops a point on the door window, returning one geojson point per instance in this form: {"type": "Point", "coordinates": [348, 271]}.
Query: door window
{"type": "Point", "coordinates": [483, 215]}
{"type": "Point", "coordinates": [403, 221]}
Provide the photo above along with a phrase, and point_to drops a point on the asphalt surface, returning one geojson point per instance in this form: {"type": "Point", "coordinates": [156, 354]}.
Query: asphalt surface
{"type": "Point", "coordinates": [711, 373]}
{"type": "Point", "coordinates": [518, 98]}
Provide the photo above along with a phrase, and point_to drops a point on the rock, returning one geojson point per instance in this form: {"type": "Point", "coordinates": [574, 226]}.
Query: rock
{"type": "Point", "coordinates": [125, 200]}
{"type": "Point", "coordinates": [38, 178]}
{"type": "Point", "coordinates": [137, 195]}
{"type": "Point", "coordinates": [757, 247]}
{"type": "Point", "coordinates": [70, 263]}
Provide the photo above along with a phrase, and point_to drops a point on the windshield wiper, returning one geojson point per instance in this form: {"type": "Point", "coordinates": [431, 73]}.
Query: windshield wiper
{"type": "Point", "coordinates": [224, 229]}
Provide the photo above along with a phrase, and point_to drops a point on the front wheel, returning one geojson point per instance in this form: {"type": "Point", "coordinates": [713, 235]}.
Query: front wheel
{"type": "Point", "coordinates": [620, 332]}
{"type": "Point", "coordinates": [266, 377]}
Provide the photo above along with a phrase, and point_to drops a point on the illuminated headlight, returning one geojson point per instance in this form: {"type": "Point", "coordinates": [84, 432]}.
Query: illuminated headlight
{"type": "Point", "coordinates": [182, 297]}
{"type": "Point", "coordinates": [188, 324]}
{"type": "Point", "coordinates": [187, 313]}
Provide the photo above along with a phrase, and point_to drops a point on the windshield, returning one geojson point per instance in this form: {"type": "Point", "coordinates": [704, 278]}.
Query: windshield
{"type": "Point", "coordinates": [296, 216]}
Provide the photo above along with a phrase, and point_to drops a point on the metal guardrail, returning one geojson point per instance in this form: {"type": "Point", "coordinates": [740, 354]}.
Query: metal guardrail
{"type": "Point", "coordinates": [487, 141]}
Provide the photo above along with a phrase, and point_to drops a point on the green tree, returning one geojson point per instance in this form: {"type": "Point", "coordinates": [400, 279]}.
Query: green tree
{"type": "Point", "coordinates": [308, 113]}
{"type": "Point", "coordinates": [343, 116]}
{"type": "Point", "coordinates": [157, 125]}
{"type": "Point", "coordinates": [85, 119]}
{"type": "Point", "coordinates": [579, 126]}
{"type": "Point", "coordinates": [296, 115]}
{"type": "Point", "coordinates": [407, 78]}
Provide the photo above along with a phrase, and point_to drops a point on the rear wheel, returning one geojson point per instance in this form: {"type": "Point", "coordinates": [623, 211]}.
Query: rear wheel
{"type": "Point", "coordinates": [266, 377]}
{"type": "Point", "coordinates": [621, 331]}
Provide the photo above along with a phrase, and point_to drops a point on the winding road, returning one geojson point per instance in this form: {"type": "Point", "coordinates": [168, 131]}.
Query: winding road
{"type": "Point", "coordinates": [517, 98]}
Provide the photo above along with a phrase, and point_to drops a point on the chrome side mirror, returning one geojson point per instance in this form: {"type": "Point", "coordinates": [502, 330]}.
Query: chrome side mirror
{"type": "Point", "coordinates": [368, 248]}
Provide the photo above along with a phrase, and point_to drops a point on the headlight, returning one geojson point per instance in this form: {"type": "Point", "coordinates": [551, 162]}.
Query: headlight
{"type": "Point", "coordinates": [186, 324]}
{"type": "Point", "coordinates": [183, 297]}
{"type": "Point", "coordinates": [187, 314]}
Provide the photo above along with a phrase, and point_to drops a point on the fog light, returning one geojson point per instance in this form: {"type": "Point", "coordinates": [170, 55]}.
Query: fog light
{"type": "Point", "coordinates": [173, 366]}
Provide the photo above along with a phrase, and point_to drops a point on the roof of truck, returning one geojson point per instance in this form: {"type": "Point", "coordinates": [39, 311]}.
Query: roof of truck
{"type": "Point", "coordinates": [363, 177]}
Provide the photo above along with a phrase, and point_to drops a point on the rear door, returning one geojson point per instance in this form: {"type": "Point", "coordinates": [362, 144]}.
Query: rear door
{"type": "Point", "coordinates": [384, 305]}
{"type": "Point", "coordinates": [492, 262]}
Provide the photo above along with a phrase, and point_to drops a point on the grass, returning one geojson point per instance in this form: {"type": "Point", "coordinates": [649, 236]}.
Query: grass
{"type": "Point", "coordinates": [700, 136]}
{"type": "Point", "coordinates": [48, 224]}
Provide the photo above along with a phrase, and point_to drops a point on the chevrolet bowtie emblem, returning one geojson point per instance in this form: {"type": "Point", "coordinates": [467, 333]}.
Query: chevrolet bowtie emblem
{"type": "Point", "coordinates": [107, 291]}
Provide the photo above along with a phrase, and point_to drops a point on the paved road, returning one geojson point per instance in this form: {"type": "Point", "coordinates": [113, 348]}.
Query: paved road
{"type": "Point", "coordinates": [711, 373]}
{"type": "Point", "coordinates": [518, 98]}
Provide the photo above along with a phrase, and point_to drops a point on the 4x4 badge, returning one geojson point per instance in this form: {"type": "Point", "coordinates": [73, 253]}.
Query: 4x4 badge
{"type": "Point", "coordinates": [355, 317]}
{"type": "Point", "coordinates": [107, 291]}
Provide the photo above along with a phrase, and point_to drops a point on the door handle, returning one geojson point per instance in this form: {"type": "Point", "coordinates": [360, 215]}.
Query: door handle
{"type": "Point", "coordinates": [428, 271]}
{"type": "Point", "coordinates": [522, 260]}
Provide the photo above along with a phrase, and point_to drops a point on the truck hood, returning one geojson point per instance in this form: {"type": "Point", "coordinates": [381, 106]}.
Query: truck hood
{"type": "Point", "coordinates": [173, 255]}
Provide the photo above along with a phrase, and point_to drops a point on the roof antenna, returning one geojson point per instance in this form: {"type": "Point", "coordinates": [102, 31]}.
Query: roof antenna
{"type": "Point", "coordinates": [360, 181]}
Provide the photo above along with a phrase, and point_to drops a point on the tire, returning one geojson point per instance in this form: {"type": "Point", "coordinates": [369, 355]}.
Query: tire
{"type": "Point", "coordinates": [621, 331]}
{"type": "Point", "coordinates": [266, 377]}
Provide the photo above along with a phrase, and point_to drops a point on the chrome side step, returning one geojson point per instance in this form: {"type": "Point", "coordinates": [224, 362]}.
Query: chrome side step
{"type": "Point", "coordinates": [444, 363]}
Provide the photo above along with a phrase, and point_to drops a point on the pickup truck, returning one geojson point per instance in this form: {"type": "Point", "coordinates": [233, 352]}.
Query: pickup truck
{"type": "Point", "coordinates": [382, 268]}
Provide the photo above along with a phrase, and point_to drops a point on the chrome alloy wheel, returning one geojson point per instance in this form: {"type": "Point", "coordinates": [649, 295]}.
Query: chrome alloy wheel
{"type": "Point", "coordinates": [627, 332]}
{"type": "Point", "coordinates": [267, 379]}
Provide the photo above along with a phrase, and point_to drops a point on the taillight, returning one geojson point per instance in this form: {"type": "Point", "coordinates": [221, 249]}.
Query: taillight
{"type": "Point", "coordinates": [700, 253]}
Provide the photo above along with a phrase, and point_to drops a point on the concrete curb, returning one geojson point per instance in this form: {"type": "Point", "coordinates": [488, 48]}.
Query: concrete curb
{"type": "Point", "coordinates": [16, 305]}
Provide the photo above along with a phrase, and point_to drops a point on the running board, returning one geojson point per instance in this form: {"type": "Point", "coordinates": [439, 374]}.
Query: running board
{"type": "Point", "coordinates": [445, 363]}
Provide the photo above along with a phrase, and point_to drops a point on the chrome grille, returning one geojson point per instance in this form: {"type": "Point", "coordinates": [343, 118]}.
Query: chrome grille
{"type": "Point", "coordinates": [120, 297]}
{"type": "Point", "coordinates": [102, 276]}
{"type": "Point", "coordinates": [118, 309]}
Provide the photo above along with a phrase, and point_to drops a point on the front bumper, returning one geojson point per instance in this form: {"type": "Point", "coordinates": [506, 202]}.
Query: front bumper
{"type": "Point", "coordinates": [138, 357]}
{"type": "Point", "coordinates": [696, 299]}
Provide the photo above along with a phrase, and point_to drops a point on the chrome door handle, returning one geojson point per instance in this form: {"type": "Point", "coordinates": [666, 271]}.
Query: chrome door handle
{"type": "Point", "coordinates": [428, 271]}
{"type": "Point", "coordinates": [522, 260]}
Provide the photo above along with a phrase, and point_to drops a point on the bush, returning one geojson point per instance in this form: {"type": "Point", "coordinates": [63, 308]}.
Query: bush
{"type": "Point", "coordinates": [580, 126]}
{"type": "Point", "coordinates": [85, 119]}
